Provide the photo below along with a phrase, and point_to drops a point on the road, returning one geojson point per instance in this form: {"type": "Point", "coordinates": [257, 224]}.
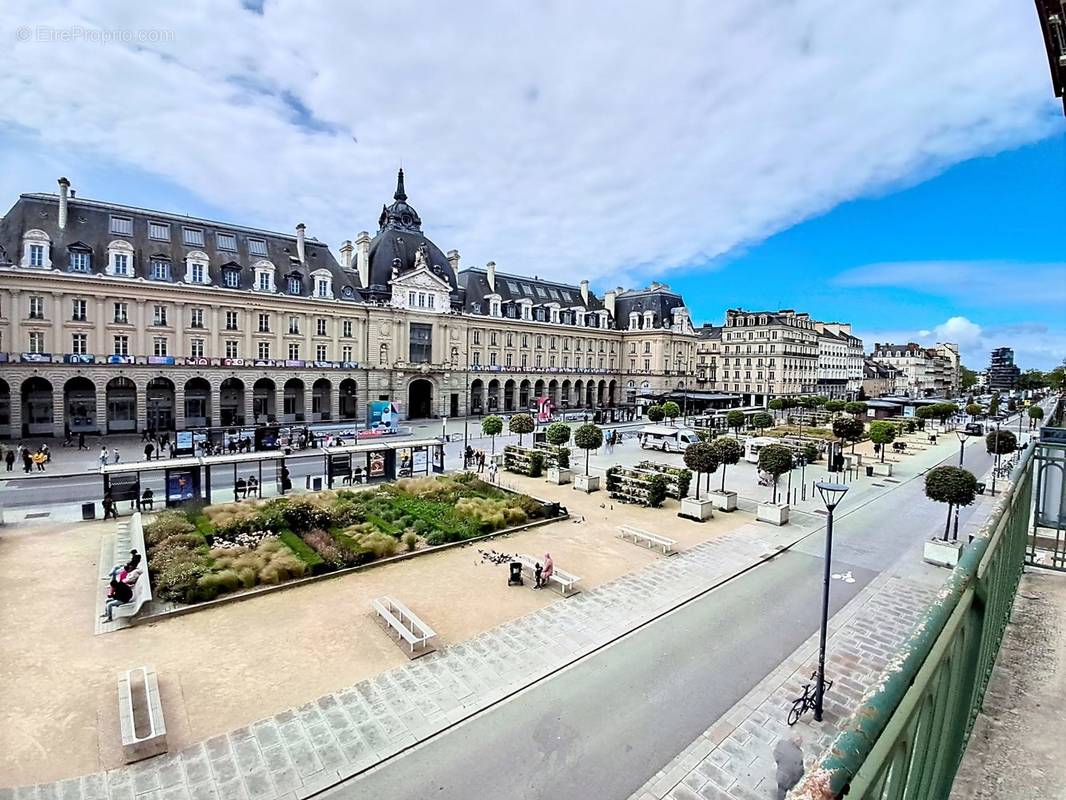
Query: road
{"type": "Point", "coordinates": [606, 724]}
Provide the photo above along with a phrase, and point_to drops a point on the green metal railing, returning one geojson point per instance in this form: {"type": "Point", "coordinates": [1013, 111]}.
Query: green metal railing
{"type": "Point", "coordinates": [907, 738]}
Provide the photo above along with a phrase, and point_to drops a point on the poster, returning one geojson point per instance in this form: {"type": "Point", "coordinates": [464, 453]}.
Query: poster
{"type": "Point", "coordinates": [383, 416]}
{"type": "Point", "coordinates": [544, 409]}
{"type": "Point", "coordinates": [377, 464]}
{"type": "Point", "coordinates": [403, 463]}
{"type": "Point", "coordinates": [438, 458]}
{"type": "Point", "coordinates": [181, 486]}
{"type": "Point", "coordinates": [419, 465]}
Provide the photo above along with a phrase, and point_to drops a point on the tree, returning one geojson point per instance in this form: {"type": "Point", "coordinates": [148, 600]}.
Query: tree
{"type": "Point", "coordinates": [855, 408]}
{"type": "Point", "coordinates": [819, 401]}
{"type": "Point", "coordinates": [969, 377]}
{"type": "Point", "coordinates": [835, 406]}
{"type": "Point", "coordinates": [655, 414]}
{"type": "Point", "coordinates": [848, 429]}
{"type": "Point", "coordinates": [492, 425]}
{"type": "Point", "coordinates": [973, 409]}
{"type": "Point", "coordinates": [762, 421]}
{"type": "Point", "coordinates": [728, 452]}
{"type": "Point", "coordinates": [952, 485]}
{"type": "Point", "coordinates": [558, 434]}
{"type": "Point", "coordinates": [925, 413]}
{"type": "Point", "coordinates": [1001, 442]}
{"type": "Point", "coordinates": [777, 404]}
{"type": "Point", "coordinates": [1033, 379]}
{"type": "Point", "coordinates": [993, 406]}
{"type": "Point", "coordinates": [811, 453]}
{"type": "Point", "coordinates": [735, 420]}
{"type": "Point", "coordinates": [671, 410]}
{"type": "Point", "coordinates": [588, 437]}
{"type": "Point", "coordinates": [1036, 413]}
{"type": "Point", "coordinates": [521, 424]}
{"type": "Point", "coordinates": [882, 433]}
{"type": "Point", "coordinates": [776, 460]}
{"type": "Point", "coordinates": [701, 459]}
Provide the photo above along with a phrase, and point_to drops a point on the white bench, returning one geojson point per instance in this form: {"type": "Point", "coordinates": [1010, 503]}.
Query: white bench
{"type": "Point", "coordinates": [140, 713]}
{"type": "Point", "coordinates": [130, 536]}
{"type": "Point", "coordinates": [563, 580]}
{"type": "Point", "coordinates": [405, 624]}
{"type": "Point", "coordinates": [647, 538]}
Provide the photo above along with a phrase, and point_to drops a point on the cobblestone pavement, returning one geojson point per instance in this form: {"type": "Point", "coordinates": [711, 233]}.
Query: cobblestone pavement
{"type": "Point", "coordinates": [308, 748]}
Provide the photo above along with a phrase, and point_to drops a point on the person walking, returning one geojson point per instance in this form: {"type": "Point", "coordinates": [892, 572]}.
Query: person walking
{"type": "Point", "coordinates": [9, 459]}
{"type": "Point", "coordinates": [81, 441]}
{"type": "Point", "coordinates": [39, 460]}
{"type": "Point", "coordinates": [27, 460]}
{"type": "Point", "coordinates": [148, 450]}
{"type": "Point", "coordinates": [110, 507]}
{"type": "Point", "coordinates": [114, 454]}
{"type": "Point", "coordinates": [789, 757]}
{"type": "Point", "coordinates": [103, 456]}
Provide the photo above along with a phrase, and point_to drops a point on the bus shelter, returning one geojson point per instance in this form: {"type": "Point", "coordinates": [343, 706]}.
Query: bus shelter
{"type": "Point", "coordinates": [178, 481]}
{"type": "Point", "coordinates": [356, 464]}
{"type": "Point", "coordinates": [247, 474]}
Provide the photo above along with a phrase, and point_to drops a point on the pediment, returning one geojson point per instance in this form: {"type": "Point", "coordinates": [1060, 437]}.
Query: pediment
{"type": "Point", "coordinates": [420, 278]}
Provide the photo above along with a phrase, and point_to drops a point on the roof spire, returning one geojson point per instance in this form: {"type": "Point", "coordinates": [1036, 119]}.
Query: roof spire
{"type": "Point", "coordinates": [400, 195]}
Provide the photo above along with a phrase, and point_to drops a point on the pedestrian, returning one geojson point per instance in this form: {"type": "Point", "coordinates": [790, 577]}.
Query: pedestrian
{"type": "Point", "coordinates": [789, 757]}
{"type": "Point", "coordinates": [549, 569]}
{"type": "Point", "coordinates": [110, 508]}
{"type": "Point", "coordinates": [81, 441]}
{"type": "Point", "coordinates": [114, 455]}
{"type": "Point", "coordinates": [39, 461]}
{"type": "Point", "coordinates": [46, 452]}
{"type": "Point", "coordinates": [146, 435]}
{"type": "Point", "coordinates": [467, 455]}
{"type": "Point", "coordinates": [27, 461]}
{"type": "Point", "coordinates": [493, 468]}
{"type": "Point", "coordinates": [148, 450]}
{"type": "Point", "coordinates": [119, 593]}
{"type": "Point", "coordinates": [480, 461]}
{"type": "Point", "coordinates": [538, 571]}
{"type": "Point", "coordinates": [9, 459]}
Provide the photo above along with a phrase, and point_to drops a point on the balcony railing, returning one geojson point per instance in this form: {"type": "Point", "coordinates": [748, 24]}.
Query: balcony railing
{"type": "Point", "coordinates": [908, 737]}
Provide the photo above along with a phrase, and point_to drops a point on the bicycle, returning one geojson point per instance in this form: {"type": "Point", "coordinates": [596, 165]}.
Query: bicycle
{"type": "Point", "coordinates": [806, 703]}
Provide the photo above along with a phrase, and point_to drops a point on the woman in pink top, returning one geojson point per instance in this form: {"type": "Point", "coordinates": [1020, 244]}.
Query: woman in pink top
{"type": "Point", "coordinates": [549, 568]}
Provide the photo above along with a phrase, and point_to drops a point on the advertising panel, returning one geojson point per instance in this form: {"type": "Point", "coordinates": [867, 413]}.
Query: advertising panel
{"type": "Point", "coordinates": [383, 416]}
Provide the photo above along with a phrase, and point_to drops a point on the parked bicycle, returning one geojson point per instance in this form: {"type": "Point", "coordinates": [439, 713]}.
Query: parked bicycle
{"type": "Point", "coordinates": [806, 703]}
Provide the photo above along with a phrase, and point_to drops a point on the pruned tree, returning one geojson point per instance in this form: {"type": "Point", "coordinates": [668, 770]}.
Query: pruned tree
{"type": "Point", "coordinates": [671, 410]}
{"type": "Point", "coordinates": [856, 408]}
{"type": "Point", "coordinates": [655, 414]}
{"type": "Point", "coordinates": [883, 433]}
{"type": "Point", "coordinates": [1001, 442]}
{"type": "Point", "coordinates": [492, 425]}
{"type": "Point", "coordinates": [735, 420]}
{"type": "Point", "coordinates": [702, 459]}
{"type": "Point", "coordinates": [1036, 413]}
{"type": "Point", "coordinates": [521, 424]}
{"type": "Point", "coordinates": [848, 429]}
{"type": "Point", "coordinates": [952, 485]}
{"type": "Point", "coordinates": [728, 452]}
{"type": "Point", "coordinates": [775, 460]}
{"type": "Point", "coordinates": [777, 404]}
{"type": "Point", "coordinates": [588, 437]}
{"type": "Point", "coordinates": [835, 406]}
{"type": "Point", "coordinates": [558, 434]}
{"type": "Point", "coordinates": [973, 409]}
{"type": "Point", "coordinates": [762, 421]}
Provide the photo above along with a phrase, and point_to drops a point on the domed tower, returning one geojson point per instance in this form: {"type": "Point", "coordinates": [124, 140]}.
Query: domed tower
{"type": "Point", "coordinates": [400, 249]}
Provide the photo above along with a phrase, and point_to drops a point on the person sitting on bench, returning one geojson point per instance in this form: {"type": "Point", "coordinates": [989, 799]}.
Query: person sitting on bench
{"type": "Point", "coordinates": [253, 487]}
{"type": "Point", "coordinates": [119, 593]}
{"type": "Point", "coordinates": [148, 499]}
{"type": "Point", "coordinates": [240, 489]}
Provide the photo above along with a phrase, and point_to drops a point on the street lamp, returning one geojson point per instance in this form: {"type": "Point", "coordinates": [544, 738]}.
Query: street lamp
{"type": "Point", "coordinates": [962, 443]}
{"type": "Point", "coordinates": [832, 494]}
{"type": "Point", "coordinates": [995, 462]}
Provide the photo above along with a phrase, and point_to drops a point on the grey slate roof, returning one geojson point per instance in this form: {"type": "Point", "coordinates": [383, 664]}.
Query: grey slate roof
{"type": "Point", "coordinates": [657, 298]}
{"type": "Point", "coordinates": [474, 282]}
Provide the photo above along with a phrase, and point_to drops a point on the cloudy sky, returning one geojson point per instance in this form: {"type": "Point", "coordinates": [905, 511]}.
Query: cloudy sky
{"type": "Point", "coordinates": [897, 164]}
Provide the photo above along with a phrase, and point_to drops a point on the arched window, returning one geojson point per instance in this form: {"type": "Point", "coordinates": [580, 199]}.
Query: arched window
{"type": "Point", "coordinates": [323, 283]}
{"type": "Point", "coordinates": [120, 259]}
{"type": "Point", "coordinates": [264, 276]}
{"type": "Point", "coordinates": [196, 271]}
{"type": "Point", "coordinates": [36, 250]}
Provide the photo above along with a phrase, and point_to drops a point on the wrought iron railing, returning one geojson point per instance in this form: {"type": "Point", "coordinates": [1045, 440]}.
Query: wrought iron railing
{"type": "Point", "coordinates": [909, 734]}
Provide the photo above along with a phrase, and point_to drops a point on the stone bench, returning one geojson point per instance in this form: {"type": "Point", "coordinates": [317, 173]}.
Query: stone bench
{"type": "Point", "coordinates": [401, 621]}
{"type": "Point", "coordinates": [130, 536]}
{"type": "Point", "coordinates": [140, 713]}
{"type": "Point", "coordinates": [648, 539]}
{"type": "Point", "coordinates": [565, 582]}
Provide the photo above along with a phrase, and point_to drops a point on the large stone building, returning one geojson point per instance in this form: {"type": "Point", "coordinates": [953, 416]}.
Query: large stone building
{"type": "Point", "coordinates": [923, 371]}
{"type": "Point", "coordinates": [1003, 374]}
{"type": "Point", "coordinates": [840, 361]}
{"type": "Point", "coordinates": [116, 318]}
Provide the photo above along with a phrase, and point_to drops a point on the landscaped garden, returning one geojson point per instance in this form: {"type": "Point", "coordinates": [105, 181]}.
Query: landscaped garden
{"type": "Point", "coordinates": [206, 551]}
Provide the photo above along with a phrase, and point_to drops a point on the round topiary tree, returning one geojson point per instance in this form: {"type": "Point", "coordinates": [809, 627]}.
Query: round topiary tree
{"type": "Point", "coordinates": [856, 408]}
{"type": "Point", "coordinates": [762, 421]}
{"type": "Point", "coordinates": [811, 453]}
{"type": "Point", "coordinates": [655, 414]}
{"type": "Point", "coordinates": [952, 485]}
{"type": "Point", "coordinates": [973, 409]}
{"type": "Point", "coordinates": [777, 404]}
{"type": "Point", "coordinates": [882, 433]}
{"type": "Point", "coordinates": [848, 429]}
{"type": "Point", "coordinates": [1036, 413]}
{"type": "Point", "coordinates": [558, 434]}
{"type": "Point", "coordinates": [701, 459]}
{"type": "Point", "coordinates": [735, 420]}
{"type": "Point", "coordinates": [835, 406]}
{"type": "Point", "coordinates": [521, 424]}
{"type": "Point", "coordinates": [492, 425]}
{"type": "Point", "coordinates": [993, 406]}
{"type": "Point", "coordinates": [728, 452]}
{"type": "Point", "coordinates": [1001, 442]}
{"type": "Point", "coordinates": [671, 410]}
{"type": "Point", "coordinates": [775, 460]}
{"type": "Point", "coordinates": [588, 437]}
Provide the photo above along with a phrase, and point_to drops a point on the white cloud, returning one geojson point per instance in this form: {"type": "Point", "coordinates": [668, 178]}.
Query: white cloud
{"type": "Point", "coordinates": [571, 140]}
{"type": "Point", "coordinates": [975, 282]}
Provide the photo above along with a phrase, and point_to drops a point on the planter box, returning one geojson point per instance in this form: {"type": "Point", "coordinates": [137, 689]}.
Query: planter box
{"type": "Point", "coordinates": [941, 553]}
{"type": "Point", "coordinates": [774, 513]}
{"type": "Point", "coordinates": [587, 483]}
{"type": "Point", "coordinates": [724, 501]}
{"type": "Point", "coordinates": [559, 475]}
{"type": "Point", "coordinates": [698, 510]}
{"type": "Point", "coordinates": [883, 470]}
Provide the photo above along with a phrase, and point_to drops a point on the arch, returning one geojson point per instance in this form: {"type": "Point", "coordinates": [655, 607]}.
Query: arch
{"type": "Point", "coordinates": [579, 394]}
{"type": "Point", "coordinates": [348, 400]}
{"type": "Point", "coordinates": [523, 395]}
{"type": "Point", "coordinates": [264, 401]}
{"type": "Point", "coordinates": [79, 405]}
{"type": "Point", "coordinates": [538, 388]}
{"type": "Point", "coordinates": [553, 392]}
{"type": "Point", "coordinates": [292, 401]}
{"type": "Point", "coordinates": [36, 407]}
{"type": "Point", "coordinates": [419, 399]}
{"type": "Point", "coordinates": [231, 402]}
{"type": "Point", "coordinates": [159, 404]}
{"type": "Point", "coordinates": [121, 397]}
{"type": "Point", "coordinates": [198, 403]}
{"type": "Point", "coordinates": [509, 395]}
{"type": "Point", "coordinates": [601, 393]}
{"type": "Point", "coordinates": [5, 408]}
{"type": "Point", "coordinates": [612, 393]}
{"type": "Point", "coordinates": [494, 396]}
{"type": "Point", "coordinates": [564, 393]}
{"type": "Point", "coordinates": [477, 396]}
{"type": "Point", "coordinates": [321, 400]}
{"type": "Point", "coordinates": [590, 394]}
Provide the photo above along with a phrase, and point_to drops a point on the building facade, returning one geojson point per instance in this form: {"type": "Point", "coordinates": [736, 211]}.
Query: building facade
{"type": "Point", "coordinates": [923, 371]}
{"type": "Point", "coordinates": [1003, 374]}
{"type": "Point", "coordinates": [117, 318]}
{"type": "Point", "coordinates": [878, 379]}
{"type": "Point", "coordinates": [840, 361]}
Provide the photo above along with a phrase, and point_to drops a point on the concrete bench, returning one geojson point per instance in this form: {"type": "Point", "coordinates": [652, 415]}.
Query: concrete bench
{"type": "Point", "coordinates": [406, 625]}
{"type": "Point", "coordinates": [564, 581]}
{"type": "Point", "coordinates": [130, 536]}
{"type": "Point", "coordinates": [140, 713]}
{"type": "Point", "coordinates": [648, 539]}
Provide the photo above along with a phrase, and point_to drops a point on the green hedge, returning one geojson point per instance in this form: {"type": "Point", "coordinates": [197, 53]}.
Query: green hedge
{"type": "Point", "coordinates": [303, 551]}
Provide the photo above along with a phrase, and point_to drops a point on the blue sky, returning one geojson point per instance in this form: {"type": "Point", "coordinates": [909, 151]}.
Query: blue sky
{"type": "Point", "coordinates": [749, 154]}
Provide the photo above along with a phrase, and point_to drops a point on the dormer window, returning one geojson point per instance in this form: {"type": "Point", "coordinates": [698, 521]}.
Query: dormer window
{"type": "Point", "coordinates": [579, 318]}
{"type": "Point", "coordinates": [196, 268]}
{"type": "Point", "coordinates": [231, 278]}
{"type": "Point", "coordinates": [634, 321]}
{"type": "Point", "coordinates": [36, 250]}
{"type": "Point", "coordinates": [264, 276]}
{"type": "Point", "coordinates": [494, 308]}
{"type": "Point", "coordinates": [649, 320]}
{"type": "Point", "coordinates": [226, 241]}
{"type": "Point", "coordinates": [294, 285]}
{"type": "Point", "coordinates": [193, 237]}
{"type": "Point", "coordinates": [120, 259]}
{"type": "Point", "coordinates": [80, 259]}
{"type": "Point", "coordinates": [257, 247]}
{"type": "Point", "coordinates": [122, 226]}
{"type": "Point", "coordinates": [323, 283]}
{"type": "Point", "coordinates": [160, 231]}
{"type": "Point", "coordinates": [553, 310]}
{"type": "Point", "coordinates": [160, 269]}
{"type": "Point", "coordinates": [762, 319]}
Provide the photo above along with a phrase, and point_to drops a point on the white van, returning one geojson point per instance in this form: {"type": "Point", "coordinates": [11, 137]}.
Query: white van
{"type": "Point", "coordinates": [667, 439]}
{"type": "Point", "coordinates": [754, 444]}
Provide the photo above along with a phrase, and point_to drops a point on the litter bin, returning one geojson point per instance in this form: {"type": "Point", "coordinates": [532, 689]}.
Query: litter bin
{"type": "Point", "coordinates": [869, 471]}
{"type": "Point", "coordinates": [980, 488]}
{"type": "Point", "coordinates": [88, 511]}
{"type": "Point", "coordinates": [551, 510]}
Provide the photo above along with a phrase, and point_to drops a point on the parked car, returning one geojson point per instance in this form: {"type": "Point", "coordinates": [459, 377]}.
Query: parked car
{"type": "Point", "coordinates": [975, 429]}
{"type": "Point", "coordinates": [667, 439]}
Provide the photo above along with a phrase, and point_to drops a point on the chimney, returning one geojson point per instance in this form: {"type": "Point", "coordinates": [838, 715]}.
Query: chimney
{"type": "Point", "coordinates": [362, 257]}
{"type": "Point", "coordinates": [453, 260]}
{"type": "Point", "coordinates": [585, 292]}
{"type": "Point", "coordinates": [64, 187]}
{"type": "Point", "coordinates": [491, 269]}
{"type": "Point", "coordinates": [300, 250]}
{"type": "Point", "coordinates": [347, 249]}
{"type": "Point", "coordinates": [608, 301]}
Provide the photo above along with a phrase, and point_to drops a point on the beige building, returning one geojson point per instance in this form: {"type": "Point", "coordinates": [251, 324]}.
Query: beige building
{"type": "Point", "coordinates": [923, 371]}
{"type": "Point", "coordinates": [117, 318]}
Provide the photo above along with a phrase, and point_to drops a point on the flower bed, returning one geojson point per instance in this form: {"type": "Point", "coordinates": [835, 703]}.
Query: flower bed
{"type": "Point", "coordinates": [199, 554]}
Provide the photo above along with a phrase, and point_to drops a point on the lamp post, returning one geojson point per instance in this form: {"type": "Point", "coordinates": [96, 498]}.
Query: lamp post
{"type": "Point", "coordinates": [995, 463]}
{"type": "Point", "coordinates": [962, 444]}
{"type": "Point", "coordinates": [832, 494]}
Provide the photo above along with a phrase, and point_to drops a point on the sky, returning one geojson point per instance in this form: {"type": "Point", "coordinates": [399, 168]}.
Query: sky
{"type": "Point", "coordinates": [898, 166]}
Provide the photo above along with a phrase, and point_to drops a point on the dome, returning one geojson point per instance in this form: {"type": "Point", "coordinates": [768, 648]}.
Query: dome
{"type": "Point", "coordinates": [395, 248]}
